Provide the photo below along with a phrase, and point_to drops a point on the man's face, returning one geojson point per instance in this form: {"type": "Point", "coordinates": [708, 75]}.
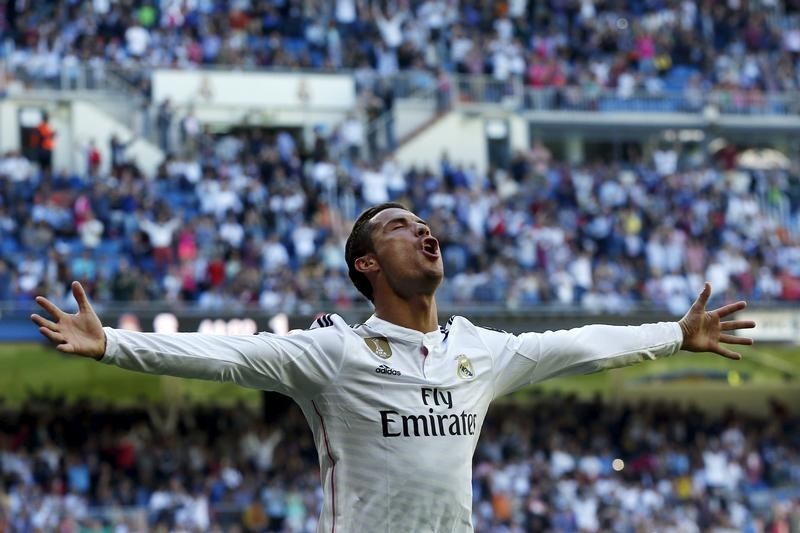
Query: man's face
{"type": "Point", "coordinates": [407, 255]}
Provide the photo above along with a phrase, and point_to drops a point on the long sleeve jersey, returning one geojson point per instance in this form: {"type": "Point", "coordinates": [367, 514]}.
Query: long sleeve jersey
{"type": "Point", "coordinates": [395, 413]}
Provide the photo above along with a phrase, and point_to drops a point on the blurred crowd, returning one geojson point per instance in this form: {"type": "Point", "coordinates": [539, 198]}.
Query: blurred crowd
{"type": "Point", "coordinates": [559, 464]}
{"type": "Point", "coordinates": [259, 220]}
{"type": "Point", "coordinates": [750, 46]}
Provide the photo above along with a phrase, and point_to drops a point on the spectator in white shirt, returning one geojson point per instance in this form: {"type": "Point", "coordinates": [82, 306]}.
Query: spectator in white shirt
{"type": "Point", "coordinates": [391, 26]}
{"type": "Point", "coordinates": [274, 254]}
{"type": "Point", "coordinates": [91, 231]}
{"type": "Point", "coordinates": [353, 136]}
{"type": "Point", "coordinates": [160, 232]}
{"type": "Point", "coordinates": [303, 238]}
{"type": "Point", "coordinates": [231, 231]}
{"type": "Point", "coordinates": [137, 39]}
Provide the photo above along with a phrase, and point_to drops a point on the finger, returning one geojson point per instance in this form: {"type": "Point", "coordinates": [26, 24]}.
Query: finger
{"type": "Point", "coordinates": [50, 307]}
{"type": "Point", "coordinates": [726, 310]}
{"type": "Point", "coordinates": [52, 336]}
{"type": "Point", "coordinates": [737, 324]}
{"type": "Point", "coordinates": [730, 354]}
{"type": "Point", "coordinates": [43, 322]}
{"type": "Point", "coordinates": [66, 348]}
{"type": "Point", "coordinates": [702, 299]}
{"type": "Point", "coordinates": [80, 296]}
{"type": "Point", "coordinates": [733, 339]}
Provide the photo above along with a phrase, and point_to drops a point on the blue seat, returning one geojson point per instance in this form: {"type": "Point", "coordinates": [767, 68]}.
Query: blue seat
{"type": "Point", "coordinates": [110, 247]}
{"type": "Point", "coordinates": [678, 77]}
{"type": "Point", "coordinates": [8, 246]}
{"type": "Point", "coordinates": [294, 46]}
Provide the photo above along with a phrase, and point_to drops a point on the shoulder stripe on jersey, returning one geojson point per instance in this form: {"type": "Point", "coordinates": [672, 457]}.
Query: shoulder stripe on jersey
{"type": "Point", "coordinates": [324, 321]}
{"type": "Point", "coordinates": [446, 328]}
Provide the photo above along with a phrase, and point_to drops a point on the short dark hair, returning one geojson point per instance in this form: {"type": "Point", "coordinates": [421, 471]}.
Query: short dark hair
{"type": "Point", "coordinates": [359, 242]}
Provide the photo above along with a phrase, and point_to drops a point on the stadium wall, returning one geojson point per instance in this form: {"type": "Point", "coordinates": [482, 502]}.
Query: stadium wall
{"type": "Point", "coordinates": [224, 99]}
{"type": "Point", "coordinates": [89, 122]}
{"type": "Point", "coordinates": [76, 121]}
{"type": "Point", "coordinates": [9, 129]}
{"type": "Point", "coordinates": [460, 135]}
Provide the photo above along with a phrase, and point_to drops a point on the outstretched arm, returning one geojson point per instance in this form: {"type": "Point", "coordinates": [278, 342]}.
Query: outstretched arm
{"type": "Point", "coordinates": [299, 364]}
{"type": "Point", "coordinates": [533, 357]}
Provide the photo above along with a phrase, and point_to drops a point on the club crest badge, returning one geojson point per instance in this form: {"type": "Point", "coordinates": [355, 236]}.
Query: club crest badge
{"type": "Point", "coordinates": [464, 368]}
{"type": "Point", "coordinates": [380, 346]}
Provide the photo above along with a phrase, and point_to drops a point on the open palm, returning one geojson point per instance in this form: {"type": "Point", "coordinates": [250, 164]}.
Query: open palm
{"type": "Point", "coordinates": [704, 331]}
{"type": "Point", "coordinates": [80, 333]}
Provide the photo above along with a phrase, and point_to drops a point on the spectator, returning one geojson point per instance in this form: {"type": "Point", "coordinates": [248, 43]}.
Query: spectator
{"type": "Point", "coordinates": [117, 150]}
{"type": "Point", "coordinates": [160, 232]}
{"type": "Point", "coordinates": [274, 255]}
{"type": "Point", "coordinates": [16, 167]}
{"type": "Point", "coordinates": [91, 231]}
{"type": "Point", "coordinates": [164, 124]}
{"type": "Point", "coordinates": [45, 143]}
{"type": "Point", "coordinates": [353, 135]}
{"type": "Point", "coordinates": [93, 159]}
{"type": "Point", "coordinates": [123, 285]}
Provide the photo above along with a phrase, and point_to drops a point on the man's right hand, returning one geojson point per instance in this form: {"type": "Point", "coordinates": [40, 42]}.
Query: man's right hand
{"type": "Point", "coordinates": [79, 334]}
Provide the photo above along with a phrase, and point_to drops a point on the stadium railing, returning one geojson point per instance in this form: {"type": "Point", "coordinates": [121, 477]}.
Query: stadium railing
{"type": "Point", "coordinates": [464, 89]}
{"type": "Point", "coordinates": [514, 94]}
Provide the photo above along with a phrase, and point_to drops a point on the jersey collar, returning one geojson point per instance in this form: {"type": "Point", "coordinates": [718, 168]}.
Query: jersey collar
{"type": "Point", "coordinates": [394, 331]}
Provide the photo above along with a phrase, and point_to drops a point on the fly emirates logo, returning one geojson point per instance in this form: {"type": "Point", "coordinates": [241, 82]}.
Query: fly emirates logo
{"type": "Point", "coordinates": [448, 424]}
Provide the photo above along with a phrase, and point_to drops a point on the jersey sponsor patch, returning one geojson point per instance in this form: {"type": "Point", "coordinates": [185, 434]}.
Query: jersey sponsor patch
{"type": "Point", "coordinates": [380, 346]}
{"type": "Point", "coordinates": [384, 369]}
{"type": "Point", "coordinates": [464, 367]}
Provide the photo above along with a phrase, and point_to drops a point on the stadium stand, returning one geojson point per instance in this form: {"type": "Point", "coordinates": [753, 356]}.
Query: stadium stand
{"type": "Point", "coordinates": [747, 46]}
{"type": "Point", "coordinates": [559, 465]}
{"type": "Point", "coordinates": [604, 235]}
{"type": "Point", "coordinates": [249, 220]}
{"type": "Point", "coordinates": [250, 224]}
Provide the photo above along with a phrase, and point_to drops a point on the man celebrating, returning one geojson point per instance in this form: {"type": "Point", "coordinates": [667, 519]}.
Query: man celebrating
{"type": "Point", "coordinates": [395, 404]}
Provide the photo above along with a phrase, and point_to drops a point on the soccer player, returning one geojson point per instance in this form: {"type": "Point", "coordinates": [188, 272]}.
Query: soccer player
{"type": "Point", "coordinates": [395, 404]}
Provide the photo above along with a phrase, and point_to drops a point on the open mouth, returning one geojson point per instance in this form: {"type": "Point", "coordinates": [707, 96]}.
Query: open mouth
{"type": "Point", "coordinates": [430, 247]}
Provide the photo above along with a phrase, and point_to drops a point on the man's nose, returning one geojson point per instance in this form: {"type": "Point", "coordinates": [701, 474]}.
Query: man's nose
{"type": "Point", "coordinates": [422, 229]}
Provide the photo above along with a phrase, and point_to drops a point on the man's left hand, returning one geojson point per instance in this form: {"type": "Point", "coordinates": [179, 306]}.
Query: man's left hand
{"type": "Point", "coordinates": [704, 331]}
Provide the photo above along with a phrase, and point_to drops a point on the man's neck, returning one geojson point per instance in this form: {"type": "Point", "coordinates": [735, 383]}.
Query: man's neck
{"type": "Point", "coordinates": [417, 313]}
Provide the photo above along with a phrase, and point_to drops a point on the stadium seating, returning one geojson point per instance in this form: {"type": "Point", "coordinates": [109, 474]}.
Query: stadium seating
{"type": "Point", "coordinates": [608, 235]}
{"type": "Point", "coordinates": [648, 466]}
{"type": "Point", "coordinates": [671, 42]}
{"type": "Point", "coordinates": [650, 230]}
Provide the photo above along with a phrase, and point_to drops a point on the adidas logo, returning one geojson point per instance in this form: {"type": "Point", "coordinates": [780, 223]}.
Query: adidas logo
{"type": "Point", "coordinates": [383, 369]}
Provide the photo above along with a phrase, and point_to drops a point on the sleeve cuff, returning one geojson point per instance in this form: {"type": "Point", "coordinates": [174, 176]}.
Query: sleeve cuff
{"type": "Point", "coordinates": [678, 335]}
{"type": "Point", "coordinates": [111, 346]}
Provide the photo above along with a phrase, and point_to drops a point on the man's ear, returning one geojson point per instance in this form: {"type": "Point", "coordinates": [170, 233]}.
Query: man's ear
{"type": "Point", "coordinates": [366, 263]}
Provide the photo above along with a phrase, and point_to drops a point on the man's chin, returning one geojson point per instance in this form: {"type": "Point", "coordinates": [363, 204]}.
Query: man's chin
{"type": "Point", "coordinates": [433, 279]}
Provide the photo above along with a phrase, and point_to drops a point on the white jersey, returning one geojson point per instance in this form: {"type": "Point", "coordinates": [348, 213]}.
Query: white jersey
{"type": "Point", "coordinates": [395, 413]}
